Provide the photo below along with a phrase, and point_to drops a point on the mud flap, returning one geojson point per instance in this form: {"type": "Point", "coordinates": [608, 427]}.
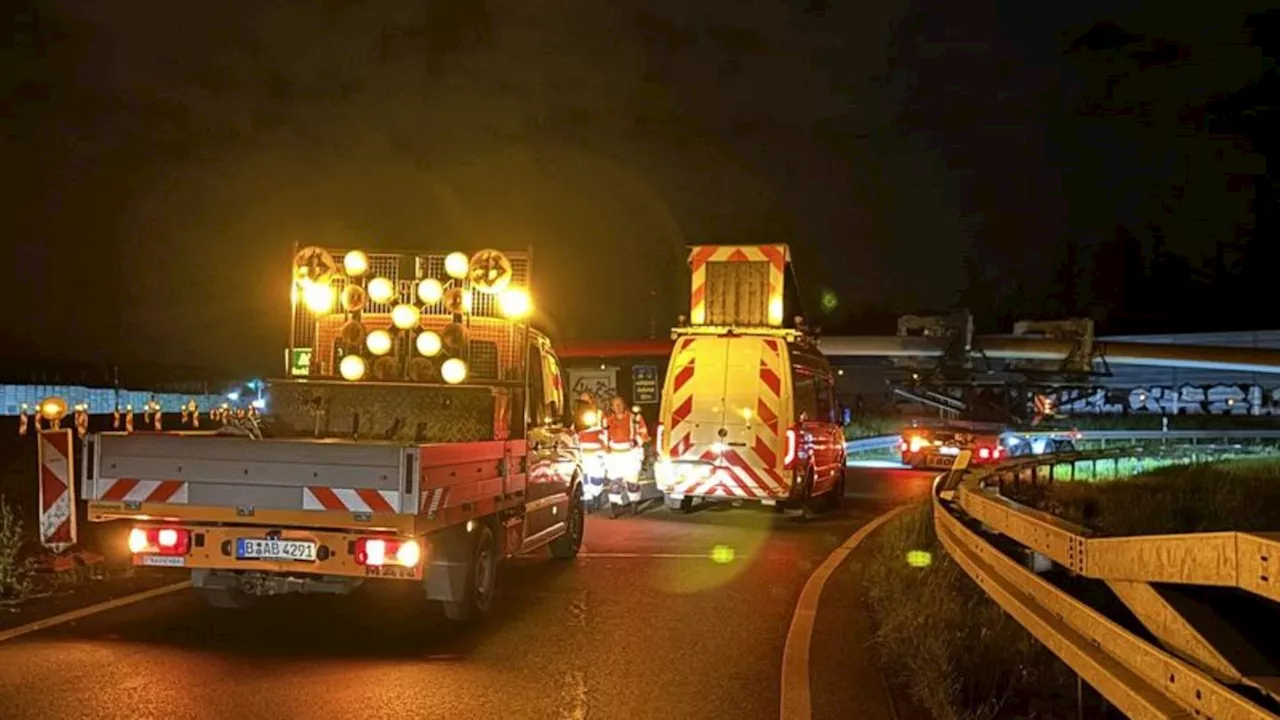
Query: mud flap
{"type": "Point", "coordinates": [446, 574]}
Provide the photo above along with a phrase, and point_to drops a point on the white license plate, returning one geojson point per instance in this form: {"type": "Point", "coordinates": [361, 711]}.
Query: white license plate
{"type": "Point", "coordinates": [941, 461]}
{"type": "Point", "coordinates": [263, 549]}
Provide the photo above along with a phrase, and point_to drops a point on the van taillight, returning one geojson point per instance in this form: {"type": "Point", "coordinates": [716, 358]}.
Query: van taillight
{"type": "Point", "coordinates": [657, 440]}
{"type": "Point", "coordinates": [789, 458]}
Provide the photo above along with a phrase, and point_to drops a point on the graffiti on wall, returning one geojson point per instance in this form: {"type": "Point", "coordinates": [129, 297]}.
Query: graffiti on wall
{"type": "Point", "coordinates": [600, 384]}
{"type": "Point", "coordinates": [1184, 400]}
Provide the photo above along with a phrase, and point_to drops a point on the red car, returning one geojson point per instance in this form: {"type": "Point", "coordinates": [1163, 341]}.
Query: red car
{"type": "Point", "coordinates": [937, 448]}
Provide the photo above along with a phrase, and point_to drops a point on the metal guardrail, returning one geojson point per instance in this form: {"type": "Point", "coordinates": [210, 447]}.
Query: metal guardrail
{"type": "Point", "coordinates": [881, 442]}
{"type": "Point", "coordinates": [1194, 669]}
{"type": "Point", "coordinates": [871, 444]}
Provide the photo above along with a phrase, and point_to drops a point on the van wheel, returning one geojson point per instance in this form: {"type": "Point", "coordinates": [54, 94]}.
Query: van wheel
{"type": "Point", "coordinates": [806, 496]}
{"type": "Point", "coordinates": [567, 545]}
{"type": "Point", "coordinates": [227, 598]}
{"type": "Point", "coordinates": [482, 574]}
{"type": "Point", "coordinates": [683, 505]}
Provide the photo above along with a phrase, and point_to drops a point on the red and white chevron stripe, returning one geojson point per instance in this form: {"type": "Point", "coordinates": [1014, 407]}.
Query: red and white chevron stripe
{"type": "Point", "coordinates": [173, 492]}
{"type": "Point", "coordinates": [57, 499]}
{"type": "Point", "coordinates": [350, 499]}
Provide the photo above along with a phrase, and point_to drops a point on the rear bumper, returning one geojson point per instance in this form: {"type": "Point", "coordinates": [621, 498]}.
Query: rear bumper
{"type": "Point", "coordinates": [696, 479]}
{"type": "Point", "coordinates": [213, 548]}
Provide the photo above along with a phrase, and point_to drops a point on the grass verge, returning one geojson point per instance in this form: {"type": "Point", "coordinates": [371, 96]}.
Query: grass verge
{"type": "Point", "coordinates": [1207, 497]}
{"type": "Point", "coordinates": [944, 642]}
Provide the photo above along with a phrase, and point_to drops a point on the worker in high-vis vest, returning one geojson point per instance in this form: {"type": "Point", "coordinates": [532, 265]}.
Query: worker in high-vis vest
{"type": "Point", "coordinates": [588, 423]}
{"type": "Point", "coordinates": [625, 437]}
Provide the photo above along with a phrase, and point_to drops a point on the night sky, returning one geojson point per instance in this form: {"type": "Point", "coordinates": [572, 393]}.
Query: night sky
{"type": "Point", "coordinates": [160, 158]}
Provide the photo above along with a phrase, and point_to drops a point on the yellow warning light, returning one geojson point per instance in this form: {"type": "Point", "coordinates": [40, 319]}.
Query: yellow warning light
{"type": "Point", "coordinates": [775, 311]}
{"type": "Point", "coordinates": [381, 290]}
{"type": "Point", "coordinates": [454, 371]}
{"type": "Point", "coordinates": [514, 303]}
{"type": "Point", "coordinates": [53, 408]}
{"type": "Point", "coordinates": [430, 291]}
{"type": "Point", "coordinates": [405, 316]}
{"type": "Point", "coordinates": [456, 265]}
{"type": "Point", "coordinates": [378, 342]}
{"type": "Point", "coordinates": [355, 263]}
{"type": "Point", "coordinates": [590, 418]}
{"type": "Point", "coordinates": [352, 367]}
{"type": "Point", "coordinates": [318, 298]}
{"type": "Point", "coordinates": [429, 343]}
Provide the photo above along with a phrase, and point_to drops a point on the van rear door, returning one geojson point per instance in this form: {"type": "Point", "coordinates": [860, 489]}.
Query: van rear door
{"type": "Point", "coordinates": [730, 411]}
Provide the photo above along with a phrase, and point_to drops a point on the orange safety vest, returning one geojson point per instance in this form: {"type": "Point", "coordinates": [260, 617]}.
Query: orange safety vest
{"type": "Point", "coordinates": [626, 431]}
{"type": "Point", "coordinates": [591, 439]}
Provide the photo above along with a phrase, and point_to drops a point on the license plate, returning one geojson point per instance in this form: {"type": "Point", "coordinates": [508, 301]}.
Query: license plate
{"type": "Point", "coordinates": [263, 549]}
{"type": "Point", "coordinates": [940, 461]}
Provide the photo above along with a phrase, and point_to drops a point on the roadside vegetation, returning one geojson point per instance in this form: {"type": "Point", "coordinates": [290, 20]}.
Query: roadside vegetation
{"type": "Point", "coordinates": [15, 567]}
{"type": "Point", "coordinates": [945, 643]}
{"type": "Point", "coordinates": [1241, 494]}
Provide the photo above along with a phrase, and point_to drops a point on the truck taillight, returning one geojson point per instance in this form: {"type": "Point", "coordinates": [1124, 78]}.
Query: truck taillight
{"type": "Point", "coordinates": [903, 446]}
{"type": "Point", "coordinates": [989, 453]}
{"type": "Point", "coordinates": [159, 541]}
{"type": "Point", "coordinates": [377, 552]}
{"type": "Point", "coordinates": [789, 458]}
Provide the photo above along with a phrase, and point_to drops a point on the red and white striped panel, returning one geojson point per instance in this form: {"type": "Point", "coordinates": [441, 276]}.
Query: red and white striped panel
{"type": "Point", "coordinates": [350, 499]}
{"type": "Point", "coordinates": [173, 492]}
{"type": "Point", "coordinates": [57, 494]}
{"type": "Point", "coordinates": [433, 501]}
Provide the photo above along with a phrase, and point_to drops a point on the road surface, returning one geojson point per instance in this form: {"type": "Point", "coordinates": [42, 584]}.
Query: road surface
{"type": "Point", "coordinates": [644, 624]}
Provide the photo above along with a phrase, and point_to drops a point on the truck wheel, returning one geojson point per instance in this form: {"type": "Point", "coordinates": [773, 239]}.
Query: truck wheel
{"type": "Point", "coordinates": [566, 546]}
{"type": "Point", "coordinates": [482, 573]}
{"type": "Point", "coordinates": [227, 598]}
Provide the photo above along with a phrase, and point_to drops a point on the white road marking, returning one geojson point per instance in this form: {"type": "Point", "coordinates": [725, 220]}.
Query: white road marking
{"type": "Point", "coordinates": [67, 617]}
{"type": "Point", "coordinates": [627, 555]}
{"type": "Point", "coordinates": [796, 703]}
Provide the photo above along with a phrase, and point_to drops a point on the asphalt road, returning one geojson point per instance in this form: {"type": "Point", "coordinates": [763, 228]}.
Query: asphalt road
{"type": "Point", "coordinates": [644, 624]}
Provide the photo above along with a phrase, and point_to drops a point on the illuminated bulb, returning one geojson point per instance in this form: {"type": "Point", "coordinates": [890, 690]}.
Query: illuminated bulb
{"type": "Point", "coordinates": [381, 290]}
{"type": "Point", "coordinates": [53, 408]}
{"type": "Point", "coordinates": [352, 367]}
{"type": "Point", "coordinates": [355, 263]}
{"type": "Point", "coordinates": [456, 265]}
{"type": "Point", "coordinates": [514, 303]}
{"type": "Point", "coordinates": [409, 553]}
{"type": "Point", "coordinates": [378, 342]}
{"type": "Point", "coordinates": [318, 298]}
{"type": "Point", "coordinates": [775, 311]}
{"type": "Point", "coordinates": [137, 540]}
{"type": "Point", "coordinates": [467, 301]}
{"type": "Point", "coordinates": [429, 343]}
{"type": "Point", "coordinates": [454, 371]}
{"type": "Point", "coordinates": [405, 316]}
{"type": "Point", "coordinates": [430, 291]}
